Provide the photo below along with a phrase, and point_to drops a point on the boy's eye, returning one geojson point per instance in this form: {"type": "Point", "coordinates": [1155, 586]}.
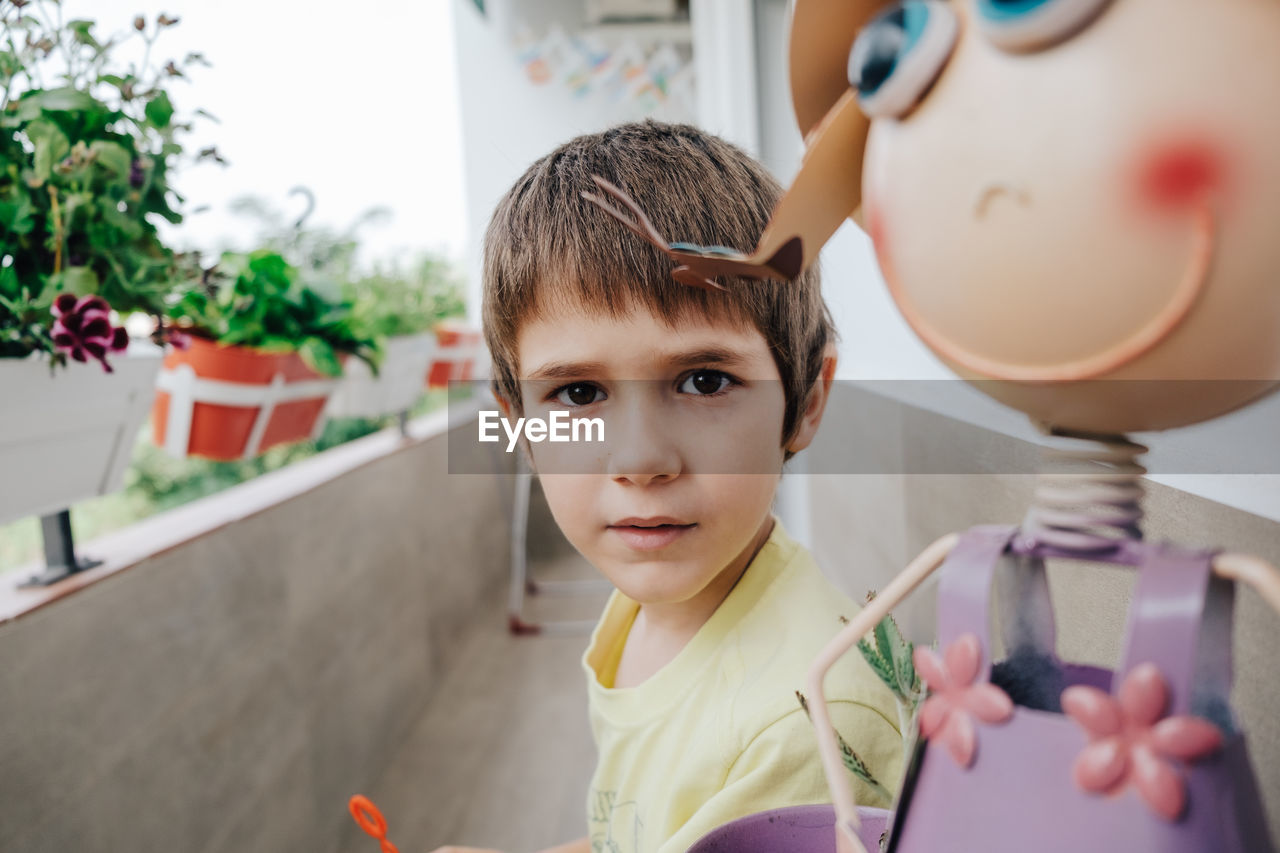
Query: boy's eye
{"type": "Point", "coordinates": [1021, 25]}
{"type": "Point", "coordinates": [579, 394]}
{"type": "Point", "coordinates": [705, 382]}
{"type": "Point", "coordinates": [899, 54]}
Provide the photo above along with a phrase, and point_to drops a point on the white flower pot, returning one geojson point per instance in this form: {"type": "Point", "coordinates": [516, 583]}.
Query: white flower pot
{"type": "Point", "coordinates": [604, 10]}
{"type": "Point", "coordinates": [397, 386]}
{"type": "Point", "coordinates": [68, 435]}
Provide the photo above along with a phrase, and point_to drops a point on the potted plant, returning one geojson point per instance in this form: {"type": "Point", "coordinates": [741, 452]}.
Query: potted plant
{"type": "Point", "coordinates": [86, 152]}
{"type": "Point", "coordinates": [458, 349]}
{"type": "Point", "coordinates": [266, 351]}
{"type": "Point", "coordinates": [401, 310]}
{"type": "Point", "coordinates": [391, 306]}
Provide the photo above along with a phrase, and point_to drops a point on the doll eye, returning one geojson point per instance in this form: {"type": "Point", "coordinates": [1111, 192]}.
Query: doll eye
{"type": "Point", "coordinates": [1023, 25]}
{"type": "Point", "coordinates": [899, 54]}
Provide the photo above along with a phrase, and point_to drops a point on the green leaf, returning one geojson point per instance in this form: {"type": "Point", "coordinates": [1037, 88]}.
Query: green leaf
{"type": "Point", "coordinates": [852, 761]}
{"type": "Point", "coordinates": [879, 665]}
{"type": "Point", "coordinates": [81, 28]}
{"type": "Point", "coordinates": [66, 99]}
{"type": "Point", "coordinates": [10, 64]}
{"type": "Point", "coordinates": [112, 155]}
{"type": "Point", "coordinates": [159, 110]}
{"type": "Point", "coordinates": [320, 357]}
{"type": "Point", "coordinates": [81, 281]}
{"type": "Point", "coordinates": [883, 643]}
{"type": "Point", "coordinates": [17, 217]}
{"type": "Point", "coordinates": [130, 227]}
{"type": "Point", "coordinates": [9, 286]}
{"type": "Point", "coordinates": [50, 144]}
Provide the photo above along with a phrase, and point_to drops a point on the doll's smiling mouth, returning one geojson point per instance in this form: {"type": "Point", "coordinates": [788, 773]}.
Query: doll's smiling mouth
{"type": "Point", "coordinates": [1139, 341]}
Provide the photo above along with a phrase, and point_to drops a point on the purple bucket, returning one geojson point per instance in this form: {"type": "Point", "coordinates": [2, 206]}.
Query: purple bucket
{"type": "Point", "coordinates": [797, 829]}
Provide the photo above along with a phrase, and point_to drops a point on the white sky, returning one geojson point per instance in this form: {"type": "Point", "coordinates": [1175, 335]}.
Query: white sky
{"type": "Point", "coordinates": [356, 100]}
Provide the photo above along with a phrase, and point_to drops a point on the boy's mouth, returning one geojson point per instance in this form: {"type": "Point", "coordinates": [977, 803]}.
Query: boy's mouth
{"type": "Point", "coordinates": [650, 534]}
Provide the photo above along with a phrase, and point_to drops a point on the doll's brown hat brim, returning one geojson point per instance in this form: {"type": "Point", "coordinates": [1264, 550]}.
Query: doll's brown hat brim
{"type": "Point", "coordinates": [822, 34]}
{"type": "Point", "coordinates": [827, 190]}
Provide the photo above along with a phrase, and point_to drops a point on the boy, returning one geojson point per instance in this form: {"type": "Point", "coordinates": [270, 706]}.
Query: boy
{"type": "Point", "coordinates": [694, 666]}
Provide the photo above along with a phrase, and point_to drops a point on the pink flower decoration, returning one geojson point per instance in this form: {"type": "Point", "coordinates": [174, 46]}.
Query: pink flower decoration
{"type": "Point", "coordinates": [955, 699]}
{"type": "Point", "coordinates": [1130, 740]}
{"type": "Point", "coordinates": [83, 329]}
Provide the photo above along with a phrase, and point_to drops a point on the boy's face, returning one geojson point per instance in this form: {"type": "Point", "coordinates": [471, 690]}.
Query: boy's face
{"type": "Point", "coordinates": [679, 491]}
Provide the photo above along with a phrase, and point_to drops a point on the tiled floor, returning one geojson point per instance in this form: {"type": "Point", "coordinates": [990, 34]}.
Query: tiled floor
{"type": "Point", "coordinates": [502, 756]}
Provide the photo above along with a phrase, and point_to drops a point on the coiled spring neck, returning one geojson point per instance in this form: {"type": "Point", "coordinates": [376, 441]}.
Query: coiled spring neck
{"type": "Point", "coordinates": [1088, 494]}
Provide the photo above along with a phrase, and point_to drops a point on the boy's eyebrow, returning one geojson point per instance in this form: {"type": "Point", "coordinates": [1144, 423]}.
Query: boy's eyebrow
{"type": "Point", "coordinates": [710, 355]}
{"type": "Point", "coordinates": [566, 370]}
{"type": "Point", "coordinates": [722, 356]}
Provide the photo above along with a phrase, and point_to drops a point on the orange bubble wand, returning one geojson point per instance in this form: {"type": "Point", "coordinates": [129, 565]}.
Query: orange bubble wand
{"type": "Point", "coordinates": [369, 819]}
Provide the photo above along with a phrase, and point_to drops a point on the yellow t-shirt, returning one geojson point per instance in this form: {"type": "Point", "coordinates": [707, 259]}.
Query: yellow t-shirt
{"type": "Point", "coordinates": [718, 733]}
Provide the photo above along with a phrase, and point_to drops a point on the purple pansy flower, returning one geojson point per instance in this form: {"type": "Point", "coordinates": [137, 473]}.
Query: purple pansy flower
{"type": "Point", "coordinates": [83, 329]}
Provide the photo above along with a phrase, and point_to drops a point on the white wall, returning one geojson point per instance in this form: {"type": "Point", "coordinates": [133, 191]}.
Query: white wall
{"type": "Point", "coordinates": [507, 120]}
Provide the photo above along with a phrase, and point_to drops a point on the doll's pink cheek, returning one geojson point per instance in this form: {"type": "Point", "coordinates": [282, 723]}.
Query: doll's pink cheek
{"type": "Point", "coordinates": [1181, 175]}
{"type": "Point", "coordinates": [876, 227]}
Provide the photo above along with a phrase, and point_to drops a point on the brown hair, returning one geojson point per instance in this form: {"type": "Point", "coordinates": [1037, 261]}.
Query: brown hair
{"type": "Point", "coordinates": [548, 247]}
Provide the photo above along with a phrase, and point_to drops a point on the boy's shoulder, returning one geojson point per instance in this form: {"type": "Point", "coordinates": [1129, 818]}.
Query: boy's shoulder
{"type": "Point", "coordinates": [783, 586]}
{"type": "Point", "coordinates": [771, 644]}
{"type": "Point", "coordinates": [798, 611]}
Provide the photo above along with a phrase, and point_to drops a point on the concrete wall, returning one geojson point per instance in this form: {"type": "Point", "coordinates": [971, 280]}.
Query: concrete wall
{"type": "Point", "coordinates": [232, 693]}
{"type": "Point", "coordinates": [866, 527]}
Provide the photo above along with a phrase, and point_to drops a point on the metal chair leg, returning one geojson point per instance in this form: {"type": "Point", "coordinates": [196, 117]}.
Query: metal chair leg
{"type": "Point", "coordinates": [522, 584]}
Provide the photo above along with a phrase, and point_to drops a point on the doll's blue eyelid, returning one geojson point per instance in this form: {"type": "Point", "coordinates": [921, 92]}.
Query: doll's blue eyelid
{"type": "Point", "coordinates": [1025, 26]}
{"type": "Point", "coordinates": [1014, 10]}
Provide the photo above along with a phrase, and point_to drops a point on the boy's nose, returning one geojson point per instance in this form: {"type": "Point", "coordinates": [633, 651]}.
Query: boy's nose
{"type": "Point", "coordinates": [640, 451]}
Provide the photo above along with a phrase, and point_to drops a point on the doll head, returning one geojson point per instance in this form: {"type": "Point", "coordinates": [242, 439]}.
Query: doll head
{"type": "Point", "coordinates": [1060, 193]}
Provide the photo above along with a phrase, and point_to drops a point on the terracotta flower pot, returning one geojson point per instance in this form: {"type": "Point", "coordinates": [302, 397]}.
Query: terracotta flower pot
{"type": "Point", "coordinates": [233, 402]}
{"type": "Point", "coordinates": [457, 349]}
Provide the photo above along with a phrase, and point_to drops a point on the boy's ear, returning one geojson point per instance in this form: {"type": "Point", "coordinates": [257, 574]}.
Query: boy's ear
{"type": "Point", "coordinates": [525, 450]}
{"type": "Point", "coordinates": [816, 404]}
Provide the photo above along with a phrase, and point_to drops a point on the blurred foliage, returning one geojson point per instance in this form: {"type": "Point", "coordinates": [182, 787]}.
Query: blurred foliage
{"type": "Point", "coordinates": [389, 302]}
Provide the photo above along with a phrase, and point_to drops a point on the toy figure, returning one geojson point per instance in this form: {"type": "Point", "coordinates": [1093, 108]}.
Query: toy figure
{"type": "Point", "coordinates": [1072, 203]}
